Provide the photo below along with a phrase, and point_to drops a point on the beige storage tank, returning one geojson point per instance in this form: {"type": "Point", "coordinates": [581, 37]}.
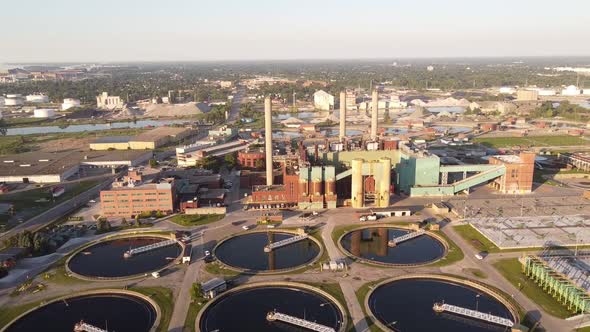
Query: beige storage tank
{"type": "Point", "coordinates": [385, 183]}
{"type": "Point", "coordinates": [357, 194]}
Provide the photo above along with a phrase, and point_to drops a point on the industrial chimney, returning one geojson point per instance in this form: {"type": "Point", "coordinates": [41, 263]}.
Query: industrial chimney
{"type": "Point", "coordinates": [342, 115]}
{"type": "Point", "coordinates": [374, 114]}
{"type": "Point", "coordinates": [268, 139]}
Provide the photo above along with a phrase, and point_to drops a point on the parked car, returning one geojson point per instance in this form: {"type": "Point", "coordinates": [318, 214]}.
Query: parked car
{"type": "Point", "coordinates": [245, 227]}
{"type": "Point", "coordinates": [481, 255]}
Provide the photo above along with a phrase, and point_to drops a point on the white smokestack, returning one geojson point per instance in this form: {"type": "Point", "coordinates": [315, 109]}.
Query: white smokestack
{"type": "Point", "coordinates": [268, 139]}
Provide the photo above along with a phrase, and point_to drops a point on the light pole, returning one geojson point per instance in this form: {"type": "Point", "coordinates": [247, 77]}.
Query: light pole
{"type": "Point", "coordinates": [477, 302]}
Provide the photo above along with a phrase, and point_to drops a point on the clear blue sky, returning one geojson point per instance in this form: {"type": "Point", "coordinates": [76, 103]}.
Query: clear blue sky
{"type": "Point", "coordinates": [153, 30]}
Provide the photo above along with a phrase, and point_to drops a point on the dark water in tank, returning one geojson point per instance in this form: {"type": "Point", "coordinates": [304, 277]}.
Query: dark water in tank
{"type": "Point", "coordinates": [371, 244]}
{"type": "Point", "coordinates": [246, 310]}
{"type": "Point", "coordinates": [106, 259]}
{"type": "Point", "coordinates": [115, 312]}
{"type": "Point", "coordinates": [247, 251]}
{"type": "Point", "coordinates": [406, 305]}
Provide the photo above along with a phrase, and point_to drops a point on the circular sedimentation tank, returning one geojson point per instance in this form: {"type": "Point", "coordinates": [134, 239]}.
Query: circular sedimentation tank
{"type": "Point", "coordinates": [246, 253]}
{"type": "Point", "coordinates": [106, 259]}
{"type": "Point", "coordinates": [249, 305]}
{"type": "Point", "coordinates": [406, 304]}
{"type": "Point", "coordinates": [114, 310]}
{"type": "Point", "coordinates": [371, 244]}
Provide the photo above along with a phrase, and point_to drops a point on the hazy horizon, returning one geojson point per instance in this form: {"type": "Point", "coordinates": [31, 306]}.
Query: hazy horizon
{"type": "Point", "coordinates": [262, 30]}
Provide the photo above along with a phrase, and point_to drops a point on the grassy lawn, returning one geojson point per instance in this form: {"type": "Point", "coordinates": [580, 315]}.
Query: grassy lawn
{"type": "Point", "coordinates": [475, 238]}
{"type": "Point", "coordinates": [195, 220]}
{"type": "Point", "coordinates": [30, 203]}
{"type": "Point", "coordinates": [193, 310]}
{"type": "Point", "coordinates": [454, 253]}
{"type": "Point", "coordinates": [511, 270]}
{"type": "Point", "coordinates": [163, 297]}
{"type": "Point", "coordinates": [505, 142]}
{"type": "Point", "coordinates": [216, 268]}
{"type": "Point", "coordinates": [60, 277]}
{"type": "Point", "coordinates": [20, 122]}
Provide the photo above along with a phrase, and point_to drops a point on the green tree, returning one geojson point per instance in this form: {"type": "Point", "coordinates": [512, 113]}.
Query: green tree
{"type": "Point", "coordinates": [153, 163]}
{"type": "Point", "coordinates": [231, 160]}
{"type": "Point", "coordinates": [196, 291]}
{"type": "Point", "coordinates": [259, 163]}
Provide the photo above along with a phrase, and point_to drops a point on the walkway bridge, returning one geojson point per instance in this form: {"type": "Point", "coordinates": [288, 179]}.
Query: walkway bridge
{"type": "Point", "coordinates": [394, 242]}
{"type": "Point", "coordinates": [444, 307]}
{"type": "Point", "coordinates": [285, 242]}
{"type": "Point", "coordinates": [486, 173]}
{"type": "Point", "coordinates": [85, 327]}
{"type": "Point", "coordinates": [153, 246]}
{"type": "Point", "coordinates": [277, 316]}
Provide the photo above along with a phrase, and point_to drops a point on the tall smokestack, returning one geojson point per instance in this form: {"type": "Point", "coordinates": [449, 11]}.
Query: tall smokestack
{"type": "Point", "coordinates": [342, 115]}
{"type": "Point", "coordinates": [268, 139]}
{"type": "Point", "coordinates": [374, 108]}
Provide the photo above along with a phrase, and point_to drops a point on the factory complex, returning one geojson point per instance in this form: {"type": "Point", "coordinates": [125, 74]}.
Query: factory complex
{"type": "Point", "coordinates": [367, 171]}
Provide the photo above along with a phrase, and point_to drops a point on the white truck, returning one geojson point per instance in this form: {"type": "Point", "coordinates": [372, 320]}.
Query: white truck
{"type": "Point", "coordinates": [368, 217]}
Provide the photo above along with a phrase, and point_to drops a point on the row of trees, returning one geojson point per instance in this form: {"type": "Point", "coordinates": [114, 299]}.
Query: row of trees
{"type": "Point", "coordinates": [565, 110]}
{"type": "Point", "coordinates": [37, 243]}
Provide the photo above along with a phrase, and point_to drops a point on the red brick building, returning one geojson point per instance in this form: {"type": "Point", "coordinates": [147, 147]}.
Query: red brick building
{"type": "Point", "coordinates": [518, 178]}
{"type": "Point", "coordinates": [129, 201]}
{"type": "Point", "coordinates": [251, 159]}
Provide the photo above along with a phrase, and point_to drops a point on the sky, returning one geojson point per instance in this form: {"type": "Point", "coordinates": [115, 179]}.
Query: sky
{"type": "Point", "coordinates": [217, 30]}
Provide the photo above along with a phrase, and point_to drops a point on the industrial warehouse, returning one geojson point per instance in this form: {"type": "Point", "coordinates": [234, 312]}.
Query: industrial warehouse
{"type": "Point", "coordinates": [45, 167]}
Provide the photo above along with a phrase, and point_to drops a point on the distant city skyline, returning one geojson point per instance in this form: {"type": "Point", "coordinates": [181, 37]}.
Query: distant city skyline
{"type": "Point", "coordinates": [118, 31]}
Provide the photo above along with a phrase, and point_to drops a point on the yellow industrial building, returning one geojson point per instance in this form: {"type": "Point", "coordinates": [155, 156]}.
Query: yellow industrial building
{"type": "Point", "coordinates": [149, 140]}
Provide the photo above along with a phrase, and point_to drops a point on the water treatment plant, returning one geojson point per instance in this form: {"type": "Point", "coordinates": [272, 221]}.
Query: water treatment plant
{"type": "Point", "coordinates": [374, 244]}
{"type": "Point", "coordinates": [249, 306]}
{"type": "Point", "coordinates": [111, 310]}
{"type": "Point", "coordinates": [408, 304]}
{"type": "Point", "coordinates": [109, 259]}
{"type": "Point", "coordinates": [248, 252]}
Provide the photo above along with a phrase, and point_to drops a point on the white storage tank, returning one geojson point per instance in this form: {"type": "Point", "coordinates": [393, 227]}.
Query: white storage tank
{"type": "Point", "coordinates": [37, 99]}
{"type": "Point", "coordinates": [44, 113]}
{"type": "Point", "coordinates": [69, 103]}
{"type": "Point", "coordinates": [13, 100]}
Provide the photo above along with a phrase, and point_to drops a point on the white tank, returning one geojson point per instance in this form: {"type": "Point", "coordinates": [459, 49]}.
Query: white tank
{"type": "Point", "coordinates": [13, 100]}
{"type": "Point", "coordinates": [37, 99]}
{"type": "Point", "coordinates": [44, 113]}
{"type": "Point", "coordinates": [69, 103]}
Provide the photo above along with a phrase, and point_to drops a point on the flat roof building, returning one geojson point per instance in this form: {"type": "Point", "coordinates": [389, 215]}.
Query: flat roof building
{"type": "Point", "coordinates": [45, 167]}
{"type": "Point", "coordinates": [132, 199]}
{"type": "Point", "coordinates": [149, 140]}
